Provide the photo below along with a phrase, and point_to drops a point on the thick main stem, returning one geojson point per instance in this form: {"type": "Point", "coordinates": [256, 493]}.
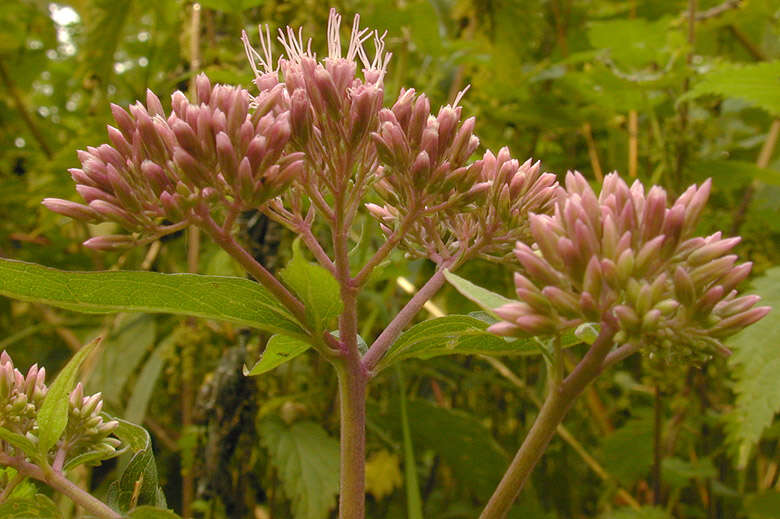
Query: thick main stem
{"type": "Point", "coordinates": [558, 402]}
{"type": "Point", "coordinates": [352, 400]}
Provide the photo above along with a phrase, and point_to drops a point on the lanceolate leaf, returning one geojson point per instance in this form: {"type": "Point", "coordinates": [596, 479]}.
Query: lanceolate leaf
{"type": "Point", "coordinates": [307, 460]}
{"type": "Point", "coordinates": [314, 285]}
{"type": "Point", "coordinates": [236, 300]}
{"type": "Point", "coordinates": [486, 299]}
{"type": "Point", "coordinates": [279, 350]}
{"type": "Point", "coordinates": [53, 415]}
{"type": "Point", "coordinates": [756, 364]}
{"type": "Point", "coordinates": [451, 335]}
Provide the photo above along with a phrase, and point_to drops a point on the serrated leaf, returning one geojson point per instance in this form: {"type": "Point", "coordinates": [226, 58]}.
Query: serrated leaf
{"type": "Point", "coordinates": [307, 460]}
{"type": "Point", "coordinates": [278, 350]}
{"type": "Point", "coordinates": [52, 417]}
{"type": "Point", "coordinates": [470, 450]}
{"type": "Point", "coordinates": [316, 288]}
{"type": "Point", "coordinates": [39, 506]}
{"type": "Point", "coordinates": [235, 300]}
{"type": "Point", "coordinates": [678, 472]}
{"type": "Point", "coordinates": [484, 298]}
{"type": "Point", "coordinates": [149, 512]}
{"type": "Point", "coordinates": [758, 84]}
{"type": "Point", "coordinates": [627, 453]}
{"type": "Point", "coordinates": [755, 365]}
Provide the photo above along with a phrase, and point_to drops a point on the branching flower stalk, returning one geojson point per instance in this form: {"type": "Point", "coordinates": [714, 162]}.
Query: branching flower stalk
{"type": "Point", "coordinates": [87, 435]}
{"type": "Point", "coordinates": [315, 143]}
{"type": "Point", "coordinates": [628, 261]}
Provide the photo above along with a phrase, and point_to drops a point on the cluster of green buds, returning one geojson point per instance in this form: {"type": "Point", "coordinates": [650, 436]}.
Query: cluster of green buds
{"type": "Point", "coordinates": [21, 398]}
{"type": "Point", "coordinates": [629, 257]}
{"type": "Point", "coordinates": [87, 431]}
{"type": "Point", "coordinates": [162, 172]}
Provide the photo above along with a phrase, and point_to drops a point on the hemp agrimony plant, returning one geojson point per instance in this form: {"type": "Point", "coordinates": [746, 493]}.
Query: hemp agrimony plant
{"type": "Point", "coordinates": [314, 146]}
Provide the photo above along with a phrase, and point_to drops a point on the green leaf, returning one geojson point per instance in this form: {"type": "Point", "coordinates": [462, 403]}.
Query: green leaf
{"type": "Point", "coordinates": [234, 300]}
{"type": "Point", "coordinates": [307, 460]}
{"type": "Point", "coordinates": [278, 350]}
{"type": "Point", "coordinates": [316, 288]}
{"type": "Point", "coordinates": [141, 471]}
{"type": "Point", "coordinates": [763, 506]}
{"type": "Point", "coordinates": [470, 450]}
{"type": "Point", "coordinates": [451, 335]}
{"type": "Point", "coordinates": [757, 84]}
{"type": "Point", "coordinates": [631, 42]}
{"type": "Point", "coordinates": [646, 512]}
{"type": "Point", "coordinates": [20, 442]}
{"type": "Point", "coordinates": [149, 512]}
{"type": "Point", "coordinates": [413, 500]}
{"type": "Point", "coordinates": [628, 452]}
{"type": "Point", "coordinates": [678, 472]}
{"type": "Point", "coordinates": [484, 298]}
{"type": "Point", "coordinates": [734, 173]}
{"type": "Point", "coordinates": [756, 364]}
{"type": "Point", "coordinates": [39, 506]}
{"type": "Point", "coordinates": [52, 417]}
{"type": "Point", "coordinates": [231, 6]}
{"type": "Point", "coordinates": [147, 380]}
{"type": "Point", "coordinates": [123, 351]}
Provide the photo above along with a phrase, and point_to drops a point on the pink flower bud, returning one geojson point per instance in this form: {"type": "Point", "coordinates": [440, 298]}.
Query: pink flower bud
{"type": "Point", "coordinates": [109, 243]}
{"type": "Point", "coordinates": [71, 209]}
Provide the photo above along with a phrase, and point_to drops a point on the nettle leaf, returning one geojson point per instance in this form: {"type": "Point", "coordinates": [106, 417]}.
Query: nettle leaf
{"type": "Point", "coordinates": [52, 417]}
{"type": "Point", "coordinates": [452, 335]}
{"type": "Point", "coordinates": [307, 460]}
{"type": "Point", "coordinates": [235, 300]}
{"type": "Point", "coordinates": [278, 350]}
{"type": "Point", "coordinates": [39, 506]}
{"type": "Point", "coordinates": [141, 472]}
{"type": "Point", "coordinates": [628, 452]}
{"type": "Point", "coordinates": [758, 84]}
{"type": "Point", "coordinates": [470, 450]}
{"type": "Point", "coordinates": [316, 288]}
{"type": "Point", "coordinates": [755, 365]}
{"type": "Point", "coordinates": [484, 298]}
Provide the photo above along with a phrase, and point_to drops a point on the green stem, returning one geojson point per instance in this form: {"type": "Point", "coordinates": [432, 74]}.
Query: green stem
{"type": "Point", "coordinates": [558, 402]}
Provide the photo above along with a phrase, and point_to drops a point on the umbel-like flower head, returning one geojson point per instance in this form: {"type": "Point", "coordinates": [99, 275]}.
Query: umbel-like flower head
{"type": "Point", "coordinates": [21, 398]}
{"type": "Point", "coordinates": [160, 172]}
{"type": "Point", "coordinates": [485, 215]}
{"type": "Point", "coordinates": [332, 108]}
{"type": "Point", "coordinates": [629, 256]}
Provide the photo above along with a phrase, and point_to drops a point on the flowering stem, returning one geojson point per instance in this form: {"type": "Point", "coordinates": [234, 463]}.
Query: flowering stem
{"type": "Point", "coordinates": [226, 240]}
{"type": "Point", "coordinates": [558, 402]}
{"type": "Point", "coordinates": [304, 230]}
{"type": "Point", "coordinates": [352, 399]}
{"type": "Point", "coordinates": [402, 319]}
{"type": "Point", "coordinates": [62, 485]}
{"type": "Point", "coordinates": [386, 248]}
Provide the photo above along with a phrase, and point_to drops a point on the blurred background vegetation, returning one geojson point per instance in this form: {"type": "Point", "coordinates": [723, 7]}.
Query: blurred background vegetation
{"type": "Point", "coordinates": [667, 91]}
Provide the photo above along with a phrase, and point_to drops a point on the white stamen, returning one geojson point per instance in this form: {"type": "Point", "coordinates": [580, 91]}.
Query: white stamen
{"type": "Point", "coordinates": [460, 95]}
{"type": "Point", "coordinates": [293, 44]}
{"type": "Point", "coordinates": [266, 60]}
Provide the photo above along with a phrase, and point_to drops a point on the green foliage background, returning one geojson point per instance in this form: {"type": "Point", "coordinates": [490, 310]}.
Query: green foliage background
{"type": "Point", "coordinates": [596, 85]}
